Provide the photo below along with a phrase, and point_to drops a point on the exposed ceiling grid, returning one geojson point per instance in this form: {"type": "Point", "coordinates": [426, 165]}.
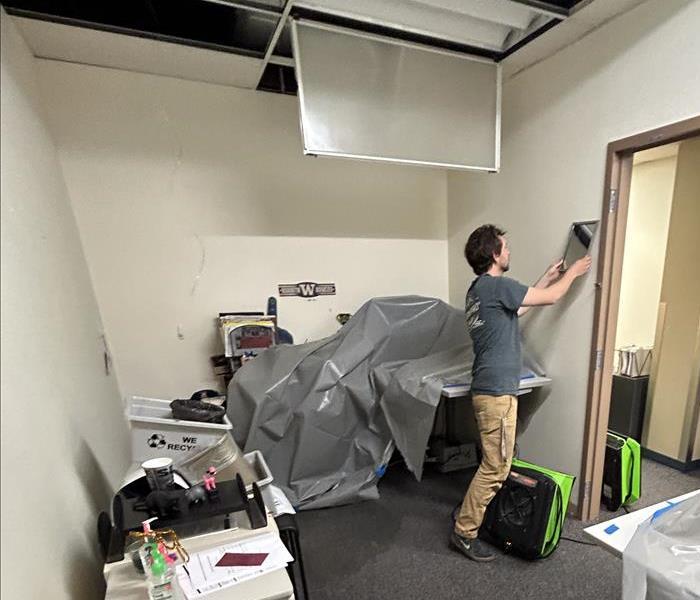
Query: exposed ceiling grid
{"type": "Point", "coordinates": [252, 36]}
{"type": "Point", "coordinates": [480, 23]}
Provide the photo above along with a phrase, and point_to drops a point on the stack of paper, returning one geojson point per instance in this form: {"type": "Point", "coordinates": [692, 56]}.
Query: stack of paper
{"type": "Point", "coordinates": [200, 576]}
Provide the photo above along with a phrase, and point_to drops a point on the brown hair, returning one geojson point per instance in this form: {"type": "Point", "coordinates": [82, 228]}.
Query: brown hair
{"type": "Point", "coordinates": [481, 246]}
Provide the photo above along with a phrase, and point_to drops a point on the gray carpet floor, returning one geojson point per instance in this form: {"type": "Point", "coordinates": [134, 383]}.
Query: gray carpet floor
{"type": "Point", "coordinates": [397, 547]}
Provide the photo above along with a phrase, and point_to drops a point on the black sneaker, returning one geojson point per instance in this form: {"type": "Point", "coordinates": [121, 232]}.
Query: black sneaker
{"type": "Point", "coordinates": [474, 549]}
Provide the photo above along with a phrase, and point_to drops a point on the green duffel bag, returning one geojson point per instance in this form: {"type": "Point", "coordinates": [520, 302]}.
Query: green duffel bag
{"type": "Point", "coordinates": [622, 474]}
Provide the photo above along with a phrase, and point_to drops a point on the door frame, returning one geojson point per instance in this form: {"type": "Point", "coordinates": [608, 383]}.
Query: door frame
{"type": "Point", "coordinates": [618, 176]}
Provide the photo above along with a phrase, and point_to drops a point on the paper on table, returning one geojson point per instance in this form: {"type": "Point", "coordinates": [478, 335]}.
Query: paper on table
{"type": "Point", "coordinates": [201, 576]}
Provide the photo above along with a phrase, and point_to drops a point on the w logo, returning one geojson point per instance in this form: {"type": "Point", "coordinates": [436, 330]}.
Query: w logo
{"type": "Point", "coordinates": [307, 289]}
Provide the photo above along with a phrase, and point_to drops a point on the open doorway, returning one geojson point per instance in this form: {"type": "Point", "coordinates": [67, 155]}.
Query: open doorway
{"type": "Point", "coordinates": [645, 307]}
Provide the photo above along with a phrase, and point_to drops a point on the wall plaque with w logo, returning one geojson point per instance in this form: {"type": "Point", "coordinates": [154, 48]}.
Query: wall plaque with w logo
{"type": "Point", "coordinates": [307, 289]}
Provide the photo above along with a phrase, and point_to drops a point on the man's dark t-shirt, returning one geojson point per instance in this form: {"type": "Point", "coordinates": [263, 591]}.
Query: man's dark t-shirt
{"type": "Point", "coordinates": [492, 305]}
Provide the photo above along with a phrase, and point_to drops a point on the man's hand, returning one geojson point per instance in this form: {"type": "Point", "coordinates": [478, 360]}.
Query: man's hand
{"type": "Point", "coordinates": [581, 266]}
{"type": "Point", "coordinates": [552, 273]}
{"type": "Point", "coordinates": [550, 276]}
{"type": "Point", "coordinates": [541, 297]}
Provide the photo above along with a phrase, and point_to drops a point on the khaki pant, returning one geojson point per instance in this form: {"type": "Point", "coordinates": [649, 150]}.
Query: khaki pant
{"type": "Point", "coordinates": [496, 418]}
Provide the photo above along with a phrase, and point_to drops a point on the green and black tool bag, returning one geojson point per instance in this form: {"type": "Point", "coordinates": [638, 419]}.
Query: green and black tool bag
{"type": "Point", "coordinates": [527, 515]}
{"type": "Point", "coordinates": [622, 473]}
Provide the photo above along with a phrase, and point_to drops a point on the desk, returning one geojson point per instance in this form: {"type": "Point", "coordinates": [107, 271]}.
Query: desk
{"type": "Point", "coordinates": [458, 390]}
{"type": "Point", "coordinates": [621, 529]}
{"type": "Point", "coordinates": [454, 435]}
{"type": "Point", "coordinates": [124, 583]}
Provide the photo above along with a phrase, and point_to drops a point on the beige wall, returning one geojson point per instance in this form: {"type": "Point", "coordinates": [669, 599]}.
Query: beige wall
{"type": "Point", "coordinates": [64, 442]}
{"type": "Point", "coordinates": [645, 248]}
{"type": "Point", "coordinates": [670, 408]}
{"type": "Point", "coordinates": [194, 198]}
{"type": "Point", "coordinates": [558, 117]}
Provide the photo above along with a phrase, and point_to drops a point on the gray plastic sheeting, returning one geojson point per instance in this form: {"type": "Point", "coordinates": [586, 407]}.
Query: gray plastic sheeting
{"type": "Point", "coordinates": [326, 414]}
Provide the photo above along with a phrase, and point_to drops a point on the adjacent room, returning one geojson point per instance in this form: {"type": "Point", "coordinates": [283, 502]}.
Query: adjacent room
{"type": "Point", "coordinates": [315, 299]}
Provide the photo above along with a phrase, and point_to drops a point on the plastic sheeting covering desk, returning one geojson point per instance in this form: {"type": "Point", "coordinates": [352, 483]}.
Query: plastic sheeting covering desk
{"type": "Point", "coordinates": [615, 534]}
{"type": "Point", "coordinates": [328, 414]}
{"type": "Point", "coordinates": [124, 583]}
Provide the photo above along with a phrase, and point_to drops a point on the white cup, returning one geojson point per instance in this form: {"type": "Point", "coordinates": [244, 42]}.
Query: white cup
{"type": "Point", "coordinates": [159, 473]}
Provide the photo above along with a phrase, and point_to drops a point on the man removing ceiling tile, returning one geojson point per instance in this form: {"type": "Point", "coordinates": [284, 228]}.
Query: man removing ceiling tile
{"type": "Point", "coordinates": [493, 305]}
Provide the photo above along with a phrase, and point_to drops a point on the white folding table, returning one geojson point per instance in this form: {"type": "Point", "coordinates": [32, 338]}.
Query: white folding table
{"type": "Point", "coordinates": [527, 384]}
{"type": "Point", "coordinates": [447, 449]}
{"type": "Point", "coordinates": [615, 534]}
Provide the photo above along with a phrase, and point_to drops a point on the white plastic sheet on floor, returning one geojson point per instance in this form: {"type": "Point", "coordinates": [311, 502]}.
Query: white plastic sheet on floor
{"type": "Point", "coordinates": [662, 560]}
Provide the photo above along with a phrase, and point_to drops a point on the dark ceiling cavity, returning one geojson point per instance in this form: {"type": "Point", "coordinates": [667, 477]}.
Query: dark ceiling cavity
{"type": "Point", "coordinates": [243, 27]}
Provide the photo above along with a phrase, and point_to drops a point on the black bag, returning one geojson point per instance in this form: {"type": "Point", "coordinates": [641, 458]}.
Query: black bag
{"type": "Point", "coordinates": [196, 409]}
{"type": "Point", "coordinates": [519, 515]}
